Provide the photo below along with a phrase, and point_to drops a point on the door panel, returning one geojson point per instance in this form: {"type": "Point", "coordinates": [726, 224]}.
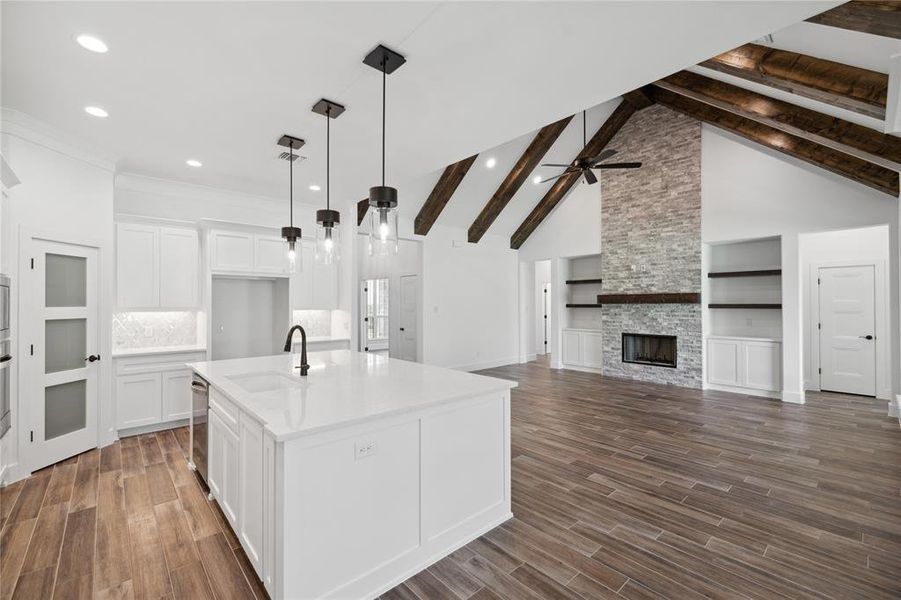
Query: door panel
{"type": "Point", "coordinates": [847, 317]}
{"type": "Point", "coordinates": [408, 310]}
{"type": "Point", "coordinates": [60, 319]}
{"type": "Point", "coordinates": [723, 362]}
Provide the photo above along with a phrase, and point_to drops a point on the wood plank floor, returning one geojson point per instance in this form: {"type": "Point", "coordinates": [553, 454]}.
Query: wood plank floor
{"type": "Point", "coordinates": [127, 521]}
{"type": "Point", "coordinates": [620, 490]}
{"type": "Point", "coordinates": [630, 490]}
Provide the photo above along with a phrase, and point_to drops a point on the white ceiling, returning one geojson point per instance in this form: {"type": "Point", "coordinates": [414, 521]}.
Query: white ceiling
{"type": "Point", "coordinates": [220, 82]}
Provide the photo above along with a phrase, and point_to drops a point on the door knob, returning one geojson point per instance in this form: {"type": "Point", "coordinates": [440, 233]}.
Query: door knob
{"type": "Point", "coordinates": [401, 328]}
{"type": "Point", "coordinates": [865, 337]}
{"type": "Point", "coordinates": [93, 358]}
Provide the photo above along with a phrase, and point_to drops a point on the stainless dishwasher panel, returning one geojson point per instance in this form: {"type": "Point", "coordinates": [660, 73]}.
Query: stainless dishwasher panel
{"type": "Point", "coordinates": [200, 394]}
{"type": "Point", "coordinates": [5, 400]}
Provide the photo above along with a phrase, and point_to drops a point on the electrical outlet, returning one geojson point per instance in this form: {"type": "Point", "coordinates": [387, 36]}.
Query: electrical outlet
{"type": "Point", "coordinates": [365, 449]}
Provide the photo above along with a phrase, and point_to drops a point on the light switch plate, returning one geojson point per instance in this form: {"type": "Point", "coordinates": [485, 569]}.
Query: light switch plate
{"type": "Point", "coordinates": [365, 449]}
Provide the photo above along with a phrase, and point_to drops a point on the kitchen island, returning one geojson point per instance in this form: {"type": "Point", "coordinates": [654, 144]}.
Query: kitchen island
{"type": "Point", "coordinates": [344, 483]}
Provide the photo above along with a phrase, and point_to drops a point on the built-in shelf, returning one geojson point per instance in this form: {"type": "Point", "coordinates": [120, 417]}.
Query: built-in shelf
{"type": "Point", "coordinates": [661, 298]}
{"type": "Point", "coordinates": [745, 305]}
{"type": "Point", "coordinates": [582, 281]}
{"type": "Point", "coordinates": [755, 273]}
{"type": "Point", "coordinates": [583, 306]}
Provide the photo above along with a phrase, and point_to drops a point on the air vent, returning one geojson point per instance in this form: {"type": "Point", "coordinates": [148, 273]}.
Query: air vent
{"type": "Point", "coordinates": [287, 156]}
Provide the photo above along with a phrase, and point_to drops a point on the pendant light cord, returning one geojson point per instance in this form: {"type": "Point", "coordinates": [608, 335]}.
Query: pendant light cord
{"type": "Point", "coordinates": [384, 84]}
{"type": "Point", "coordinates": [291, 184]}
{"type": "Point", "coordinates": [328, 154]}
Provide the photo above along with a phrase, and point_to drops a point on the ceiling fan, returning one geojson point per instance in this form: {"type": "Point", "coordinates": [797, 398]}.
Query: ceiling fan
{"type": "Point", "coordinates": [584, 166]}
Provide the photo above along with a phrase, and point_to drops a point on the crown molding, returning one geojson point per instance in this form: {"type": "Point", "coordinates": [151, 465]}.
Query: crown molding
{"type": "Point", "coordinates": [23, 126]}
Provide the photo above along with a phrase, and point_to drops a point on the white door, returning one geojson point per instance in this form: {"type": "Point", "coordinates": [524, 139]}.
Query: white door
{"type": "Point", "coordinates": [546, 329]}
{"type": "Point", "coordinates": [60, 327]}
{"type": "Point", "coordinates": [409, 307]}
{"type": "Point", "coordinates": [848, 330]}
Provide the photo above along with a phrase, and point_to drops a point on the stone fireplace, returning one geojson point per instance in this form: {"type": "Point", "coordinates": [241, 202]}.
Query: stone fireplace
{"type": "Point", "coordinates": [651, 244]}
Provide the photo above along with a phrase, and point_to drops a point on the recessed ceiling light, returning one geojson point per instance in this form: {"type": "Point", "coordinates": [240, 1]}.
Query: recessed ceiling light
{"type": "Point", "coordinates": [315, 188]}
{"type": "Point", "coordinates": [536, 180]}
{"type": "Point", "coordinates": [193, 163]}
{"type": "Point", "coordinates": [491, 162]}
{"type": "Point", "coordinates": [91, 43]}
{"type": "Point", "coordinates": [96, 111]}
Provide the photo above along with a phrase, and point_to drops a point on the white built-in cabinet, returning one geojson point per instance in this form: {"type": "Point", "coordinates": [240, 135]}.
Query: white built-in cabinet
{"type": "Point", "coordinates": [154, 389]}
{"type": "Point", "coordinates": [241, 477]}
{"type": "Point", "coordinates": [233, 251]}
{"type": "Point", "coordinates": [156, 266]}
{"type": "Point", "coordinates": [751, 363]}
{"type": "Point", "coordinates": [313, 285]}
{"type": "Point", "coordinates": [582, 348]}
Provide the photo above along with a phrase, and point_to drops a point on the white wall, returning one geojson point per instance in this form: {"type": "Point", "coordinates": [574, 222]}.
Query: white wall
{"type": "Point", "coordinates": [866, 245]}
{"type": "Point", "coordinates": [237, 332]}
{"type": "Point", "coordinates": [750, 192]}
{"type": "Point", "coordinates": [66, 194]}
{"type": "Point", "coordinates": [572, 229]}
{"type": "Point", "coordinates": [470, 300]}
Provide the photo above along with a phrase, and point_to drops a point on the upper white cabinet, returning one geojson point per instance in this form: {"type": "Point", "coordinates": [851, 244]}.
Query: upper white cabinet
{"type": "Point", "coordinates": [314, 286]}
{"type": "Point", "coordinates": [246, 252]}
{"type": "Point", "coordinates": [156, 267]}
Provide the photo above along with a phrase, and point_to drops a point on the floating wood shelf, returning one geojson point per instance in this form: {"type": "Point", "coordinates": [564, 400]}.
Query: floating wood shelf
{"type": "Point", "coordinates": [746, 305]}
{"type": "Point", "coordinates": [664, 298]}
{"type": "Point", "coordinates": [757, 273]}
{"type": "Point", "coordinates": [579, 281]}
{"type": "Point", "coordinates": [583, 306]}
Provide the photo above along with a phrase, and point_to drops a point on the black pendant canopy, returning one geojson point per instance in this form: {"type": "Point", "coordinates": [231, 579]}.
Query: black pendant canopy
{"type": "Point", "coordinates": [386, 61]}
{"type": "Point", "coordinates": [327, 217]}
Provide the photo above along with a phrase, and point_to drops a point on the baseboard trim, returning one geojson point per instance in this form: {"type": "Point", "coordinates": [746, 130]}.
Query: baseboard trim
{"type": "Point", "coordinates": [894, 407]}
{"type": "Point", "coordinates": [528, 358]}
{"type": "Point", "coordinates": [793, 397]}
{"type": "Point", "coordinates": [742, 390]}
{"type": "Point", "coordinates": [488, 364]}
{"type": "Point", "coordinates": [595, 370]}
{"type": "Point", "coordinates": [132, 431]}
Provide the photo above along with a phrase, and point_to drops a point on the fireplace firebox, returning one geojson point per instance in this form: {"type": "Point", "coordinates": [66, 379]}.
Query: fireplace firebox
{"type": "Point", "coordinates": [648, 349]}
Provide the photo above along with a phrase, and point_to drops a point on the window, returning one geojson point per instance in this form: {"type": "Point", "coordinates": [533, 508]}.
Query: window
{"type": "Point", "coordinates": [377, 309]}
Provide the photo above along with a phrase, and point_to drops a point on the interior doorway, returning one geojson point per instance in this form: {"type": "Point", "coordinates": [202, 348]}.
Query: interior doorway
{"type": "Point", "coordinates": [847, 325]}
{"type": "Point", "coordinates": [409, 311]}
{"type": "Point", "coordinates": [543, 313]}
{"type": "Point", "coordinates": [375, 319]}
{"type": "Point", "coordinates": [61, 336]}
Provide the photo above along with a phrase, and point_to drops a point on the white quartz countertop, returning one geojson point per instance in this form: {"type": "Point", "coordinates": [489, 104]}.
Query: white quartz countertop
{"type": "Point", "coordinates": [342, 388]}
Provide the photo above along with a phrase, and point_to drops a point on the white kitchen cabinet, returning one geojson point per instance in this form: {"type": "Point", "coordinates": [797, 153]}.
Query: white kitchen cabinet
{"type": "Point", "coordinates": [231, 251]}
{"type": "Point", "coordinates": [270, 254]}
{"type": "Point", "coordinates": [137, 265]}
{"type": "Point", "coordinates": [176, 395]}
{"type": "Point", "coordinates": [156, 267]}
{"type": "Point", "coordinates": [153, 389]}
{"type": "Point", "coordinates": [269, 531]}
{"type": "Point", "coordinates": [179, 272]}
{"type": "Point", "coordinates": [139, 400]}
{"type": "Point", "coordinates": [582, 348]}
{"type": "Point", "coordinates": [747, 364]}
{"type": "Point", "coordinates": [215, 453]}
{"type": "Point", "coordinates": [230, 501]}
{"type": "Point", "coordinates": [251, 477]}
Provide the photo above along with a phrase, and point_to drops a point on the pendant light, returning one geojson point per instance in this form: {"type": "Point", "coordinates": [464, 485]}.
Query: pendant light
{"type": "Point", "coordinates": [328, 233]}
{"type": "Point", "coordinates": [383, 198]}
{"type": "Point", "coordinates": [291, 233]}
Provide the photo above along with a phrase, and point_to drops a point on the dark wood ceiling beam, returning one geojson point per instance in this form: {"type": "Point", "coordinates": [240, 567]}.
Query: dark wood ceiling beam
{"type": "Point", "coordinates": [838, 134]}
{"type": "Point", "coordinates": [524, 167]}
{"type": "Point", "coordinates": [632, 103]}
{"type": "Point", "coordinates": [855, 169]}
{"type": "Point", "coordinates": [867, 16]}
{"type": "Point", "coordinates": [362, 208]}
{"type": "Point", "coordinates": [441, 194]}
{"type": "Point", "coordinates": [851, 88]}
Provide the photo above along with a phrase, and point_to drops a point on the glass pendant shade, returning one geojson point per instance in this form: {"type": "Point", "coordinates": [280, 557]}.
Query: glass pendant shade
{"type": "Point", "coordinates": [382, 221]}
{"type": "Point", "coordinates": [328, 237]}
{"type": "Point", "coordinates": [292, 236]}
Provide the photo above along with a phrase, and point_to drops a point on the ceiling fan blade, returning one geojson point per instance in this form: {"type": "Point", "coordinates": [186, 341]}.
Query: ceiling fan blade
{"type": "Point", "coordinates": [622, 165]}
{"type": "Point", "coordinates": [556, 165]}
{"type": "Point", "coordinates": [553, 178]}
{"type": "Point", "coordinates": [590, 177]}
{"type": "Point", "coordinates": [602, 156]}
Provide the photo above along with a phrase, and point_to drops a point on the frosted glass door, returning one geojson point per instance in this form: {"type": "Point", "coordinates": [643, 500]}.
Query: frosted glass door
{"type": "Point", "coordinates": [64, 332]}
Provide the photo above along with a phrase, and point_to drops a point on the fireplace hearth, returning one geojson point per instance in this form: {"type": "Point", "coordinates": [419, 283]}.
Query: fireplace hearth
{"type": "Point", "coordinates": [649, 349]}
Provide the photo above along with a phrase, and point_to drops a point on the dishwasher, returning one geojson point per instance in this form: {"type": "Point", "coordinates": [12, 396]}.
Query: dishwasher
{"type": "Point", "coordinates": [200, 406]}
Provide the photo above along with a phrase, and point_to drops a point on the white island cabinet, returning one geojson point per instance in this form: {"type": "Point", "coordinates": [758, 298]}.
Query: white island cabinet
{"type": "Point", "coordinates": [344, 483]}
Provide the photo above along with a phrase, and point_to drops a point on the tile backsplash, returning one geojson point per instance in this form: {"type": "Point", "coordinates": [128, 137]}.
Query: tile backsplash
{"type": "Point", "coordinates": [317, 323]}
{"type": "Point", "coordinates": [133, 330]}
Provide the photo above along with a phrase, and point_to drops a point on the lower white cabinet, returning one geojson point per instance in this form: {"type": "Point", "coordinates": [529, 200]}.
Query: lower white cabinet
{"type": "Point", "coordinates": [153, 389]}
{"type": "Point", "coordinates": [740, 362]}
{"type": "Point", "coordinates": [241, 476]}
{"type": "Point", "coordinates": [582, 348]}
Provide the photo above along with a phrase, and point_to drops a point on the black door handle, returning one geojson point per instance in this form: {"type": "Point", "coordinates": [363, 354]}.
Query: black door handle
{"type": "Point", "coordinates": [866, 337]}
{"type": "Point", "coordinates": [93, 358]}
{"type": "Point", "coordinates": [401, 328]}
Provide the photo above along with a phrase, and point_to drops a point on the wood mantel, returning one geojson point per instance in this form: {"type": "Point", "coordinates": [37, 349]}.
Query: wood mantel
{"type": "Point", "coordinates": [660, 298]}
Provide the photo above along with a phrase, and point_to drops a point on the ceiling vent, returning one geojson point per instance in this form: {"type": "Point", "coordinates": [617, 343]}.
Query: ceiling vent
{"type": "Point", "coordinates": [287, 156]}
